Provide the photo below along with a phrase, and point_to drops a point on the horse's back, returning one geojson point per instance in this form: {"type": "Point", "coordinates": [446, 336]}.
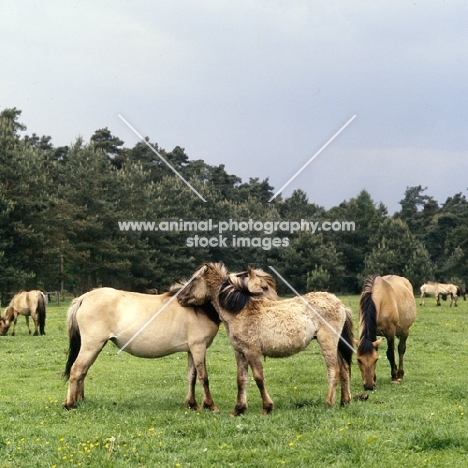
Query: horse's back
{"type": "Point", "coordinates": [159, 327]}
{"type": "Point", "coordinates": [25, 301]}
{"type": "Point", "coordinates": [400, 298]}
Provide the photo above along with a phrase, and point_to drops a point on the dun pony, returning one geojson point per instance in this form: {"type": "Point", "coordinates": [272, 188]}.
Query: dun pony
{"type": "Point", "coordinates": [27, 303]}
{"type": "Point", "coordinates": [438, 289]}
{"type": "Point", "coordinates": [124, 318]}
{"type": "Point", "coordinates": [258, 326]}
{"type": "Point", "coordinates": [386, 308]}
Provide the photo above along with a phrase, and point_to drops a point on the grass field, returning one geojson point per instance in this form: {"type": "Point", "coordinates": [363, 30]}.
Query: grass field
{"type": "Point", "coordinates": [134, 415]}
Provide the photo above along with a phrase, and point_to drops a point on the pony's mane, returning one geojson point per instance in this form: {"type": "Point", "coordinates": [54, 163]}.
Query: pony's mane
{"type": "Point", "coordinates": [270, 281]}
{"type": "Point", "coordinates": [367, 317]}
{"type": "Point", "coordinates": [234, 294]}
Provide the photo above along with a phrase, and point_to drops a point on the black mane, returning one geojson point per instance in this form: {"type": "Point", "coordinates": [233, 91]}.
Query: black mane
{"type": "Point", "coordinates": [235, 297]}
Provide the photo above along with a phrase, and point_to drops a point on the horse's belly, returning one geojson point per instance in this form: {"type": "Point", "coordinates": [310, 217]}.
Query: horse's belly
{"type": "Point", "coordinates": [152, 348]}
{"type": "Point", "coordinates": [283, 344]}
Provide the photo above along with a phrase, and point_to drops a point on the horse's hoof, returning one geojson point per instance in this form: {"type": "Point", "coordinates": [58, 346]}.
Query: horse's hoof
{"type": "Point", "coordinates": [395, 382]}
{"type": "Point", "coordinates": [212, 408]}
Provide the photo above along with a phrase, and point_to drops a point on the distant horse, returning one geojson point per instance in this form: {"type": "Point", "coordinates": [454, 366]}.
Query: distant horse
{"type": "Point", "coordinates": [386, 308]}
{"type": "Point", "coordinates": [27, 303]}
{"type": "Point", "coordinates": [258, 326]}
{"type": "Point", "coordinates": [438, 289]}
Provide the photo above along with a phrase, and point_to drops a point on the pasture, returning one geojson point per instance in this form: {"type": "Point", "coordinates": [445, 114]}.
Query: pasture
{"type": "Point", "coordinates": [134, 415]}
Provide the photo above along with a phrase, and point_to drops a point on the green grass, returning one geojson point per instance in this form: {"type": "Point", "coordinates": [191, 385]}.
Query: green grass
{"type": "Point", "coordinates": [134, 415]}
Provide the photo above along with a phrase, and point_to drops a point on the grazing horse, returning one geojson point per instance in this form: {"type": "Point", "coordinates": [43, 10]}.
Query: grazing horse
{"type": "Point", "coordinates": [386, 308]}
{"type": "Point", "coordinates": [27, 303]}
{"type": "Point", "coordinates": [439, 289]}
{"type": "Point", "coordinates": [258, 326]}
{"type": "Point", "coordinates": [144, 325]}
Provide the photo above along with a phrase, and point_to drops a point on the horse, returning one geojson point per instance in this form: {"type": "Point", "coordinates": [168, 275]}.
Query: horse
{"type": "Point", "coordinates": [259, 326]}
{"type": "Point", "coordinates": [386, 308]}
{"type": "Point", "coordinates": [439, 289]}
{"type": "Point", "coordinates": [27, 303]}
{"type": "Point", "coordinates": [144, 325]}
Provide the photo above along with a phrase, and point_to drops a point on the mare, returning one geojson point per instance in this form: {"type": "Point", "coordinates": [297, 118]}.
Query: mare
{"type": "Point", "coordinates": [259, 326]}
{"type": "Point", "coordinates": [439, 289]}
{"type": "Point", "coordinates": [386, 308]}
{"type": "Point", "coordinates": [27, 303]}
{"type": "Point", "coordinates": [144, 325]}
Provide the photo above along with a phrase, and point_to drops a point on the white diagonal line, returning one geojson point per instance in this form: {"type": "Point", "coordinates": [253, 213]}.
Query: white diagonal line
{"type": "Point", "coordinates": [312, 158]}
{"type": "Point", "coordinates": [312, 309]}
{"type": "Point", "coordinates": [161, 309]}
{"type": "Point", "coordinates": [162, 159]}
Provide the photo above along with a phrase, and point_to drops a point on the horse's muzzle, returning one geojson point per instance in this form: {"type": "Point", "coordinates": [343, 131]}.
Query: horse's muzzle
{"type": "Point", "coordinates": [369, 387]}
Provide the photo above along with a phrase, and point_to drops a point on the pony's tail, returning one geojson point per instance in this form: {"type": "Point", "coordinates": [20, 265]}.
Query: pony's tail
{"type": "Point", "coordinates": [74, 337]}
{"type": "Point", "coordinates": [41, 313]}
{"type": "Point", "coordinates": [345, 343]}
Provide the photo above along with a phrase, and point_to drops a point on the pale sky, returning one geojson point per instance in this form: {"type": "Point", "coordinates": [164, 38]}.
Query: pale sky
{"type": "Point", "coordinates": [258, 86]}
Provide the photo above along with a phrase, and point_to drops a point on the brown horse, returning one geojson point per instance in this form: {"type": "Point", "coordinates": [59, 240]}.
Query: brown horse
{"type": "Point", "coordinates": [144, 325]}
{"type": "Point", "coordinates": [258, 326]}
{"type": "Point", "coordinates": [27, 303]}
{"type": "Point", "coordinates": [386, 308]}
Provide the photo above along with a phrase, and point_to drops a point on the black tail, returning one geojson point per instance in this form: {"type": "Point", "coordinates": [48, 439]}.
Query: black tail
{"type": "Point", "coordinates": [345, 344]}
{"type": "Point", "coordinates": [41, 313]}
{"type": "Point", "coordinates": [74, 338]}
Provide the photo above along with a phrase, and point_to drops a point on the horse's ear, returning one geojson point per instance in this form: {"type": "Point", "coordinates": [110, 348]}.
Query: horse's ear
{"type": "Point", "coordinates": [377, 343]}
{"type": "Point", "coordinates": [250, 271]}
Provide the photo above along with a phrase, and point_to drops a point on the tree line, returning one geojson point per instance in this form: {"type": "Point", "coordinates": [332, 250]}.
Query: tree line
{"type": "Point", "coordinates": [60, 209]}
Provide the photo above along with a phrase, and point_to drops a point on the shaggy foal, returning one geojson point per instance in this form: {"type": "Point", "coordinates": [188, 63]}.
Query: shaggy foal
{"type": "Point", "coordinates": [258, 326]}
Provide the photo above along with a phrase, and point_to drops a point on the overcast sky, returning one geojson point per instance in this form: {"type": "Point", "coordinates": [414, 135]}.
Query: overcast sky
{"type": "Point", "coordinates": [259, 86]}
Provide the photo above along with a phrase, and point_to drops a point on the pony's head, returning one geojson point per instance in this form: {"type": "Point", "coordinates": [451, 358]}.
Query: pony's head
{"type": "Point", "coordinates": [4, 326]}
{"type": "Point", "coordinates": [367, 357]}
{"type": "Point", "coordinates": [200, 288]}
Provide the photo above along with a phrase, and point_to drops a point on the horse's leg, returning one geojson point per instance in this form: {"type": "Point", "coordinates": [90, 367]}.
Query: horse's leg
{"type": "Point", "coordinates": [328, 342]}
{"type": "Point", "coordinates": [36, 323]}
{"type": "Point", "coordinates": [421, 299]}
{"type": "Point", "coordinates": [345, 376]}
{"type": "Point", "coordinates": [15, 319]}
{"type": "Point", "coordinates": [27, 323]}
{"type": "Point", "coordinates": [199, 359]}
{"type": "Point", "coordinates": [190, 400]}
{"type": "Point", "coordinates": [391, 357]}
{"type": "Point", "coordinates": [242, 380]}
{"type": "Point", "coordinates": [438, 300]}
{"type": "Point", "coordinates": [87, 355]}
{"type": "Point", "coordinates": [255, 362]}
{"type": "Point", "coordinates": [401, 353]}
